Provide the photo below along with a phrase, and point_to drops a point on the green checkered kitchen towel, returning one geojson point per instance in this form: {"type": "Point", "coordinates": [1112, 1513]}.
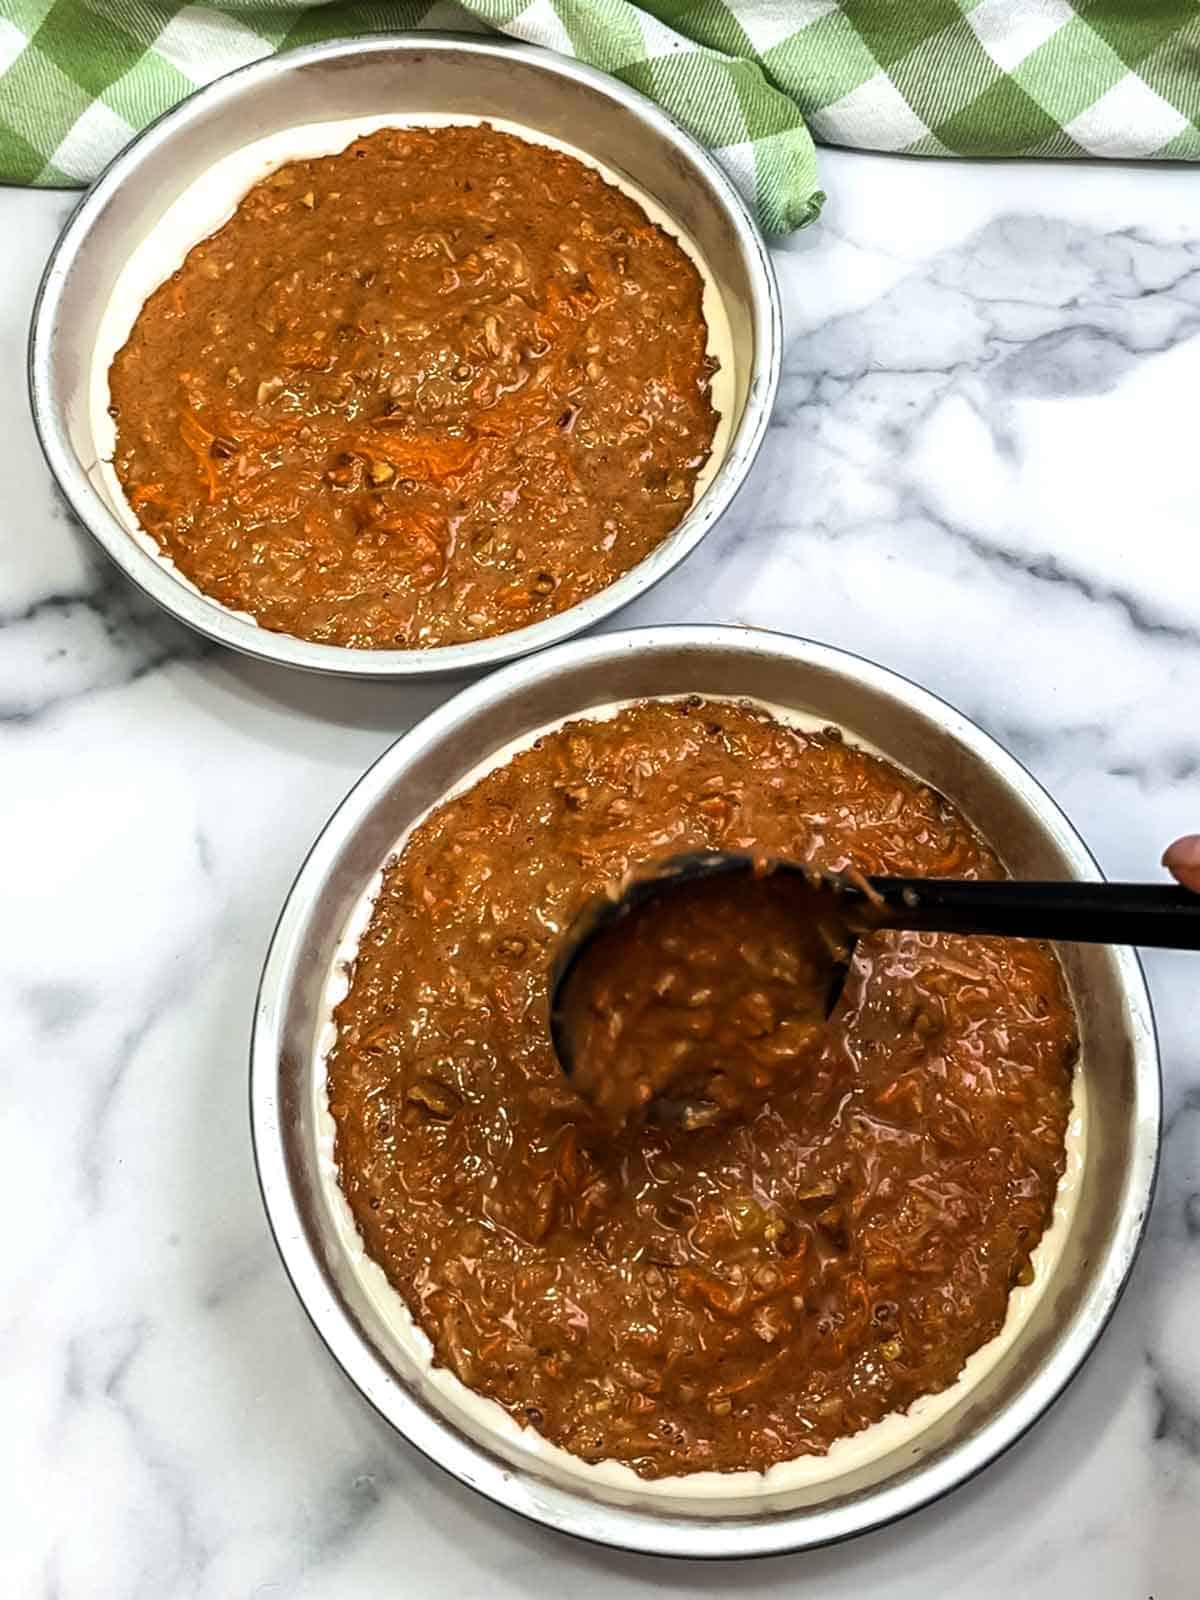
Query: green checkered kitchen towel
{"type": "Point", "coordinates": [755, 80]}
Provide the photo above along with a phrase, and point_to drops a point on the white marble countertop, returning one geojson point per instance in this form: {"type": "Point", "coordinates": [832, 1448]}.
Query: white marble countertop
{"type": "Point", "coordinates": [983, 472]}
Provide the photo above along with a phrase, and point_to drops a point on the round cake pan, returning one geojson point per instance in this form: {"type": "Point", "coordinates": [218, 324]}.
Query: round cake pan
{"type": "Point", "coordinates": [407, 77]}
{"type": "Point", "coordinates": [1119, 1062]}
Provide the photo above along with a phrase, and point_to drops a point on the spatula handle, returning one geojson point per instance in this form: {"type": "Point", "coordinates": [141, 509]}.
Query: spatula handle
{"type": "Point", "coordinates": [1161, 915]}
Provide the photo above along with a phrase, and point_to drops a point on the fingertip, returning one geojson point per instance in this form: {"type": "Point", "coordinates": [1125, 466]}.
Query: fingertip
{"type": "Point", "coordinates": [1182, 860]}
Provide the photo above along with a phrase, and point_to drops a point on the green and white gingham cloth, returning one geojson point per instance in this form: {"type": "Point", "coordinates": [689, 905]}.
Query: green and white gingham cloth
{"type": "Point", "coordinates": [754, 80]}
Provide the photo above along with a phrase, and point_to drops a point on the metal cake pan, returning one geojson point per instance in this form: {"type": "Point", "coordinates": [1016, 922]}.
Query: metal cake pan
{"type": "Point", "coordinates": [411, 75]}
{"type": "Point", "coordinates": [1119, 1059]}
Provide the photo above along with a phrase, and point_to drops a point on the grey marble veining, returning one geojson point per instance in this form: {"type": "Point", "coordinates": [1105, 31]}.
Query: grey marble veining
{"type": "Point", "coordinates": [981, 472]}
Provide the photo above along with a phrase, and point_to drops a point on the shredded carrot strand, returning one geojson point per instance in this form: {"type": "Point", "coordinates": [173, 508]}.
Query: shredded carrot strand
{"type": "Point", "coordinates": [198, 439]}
